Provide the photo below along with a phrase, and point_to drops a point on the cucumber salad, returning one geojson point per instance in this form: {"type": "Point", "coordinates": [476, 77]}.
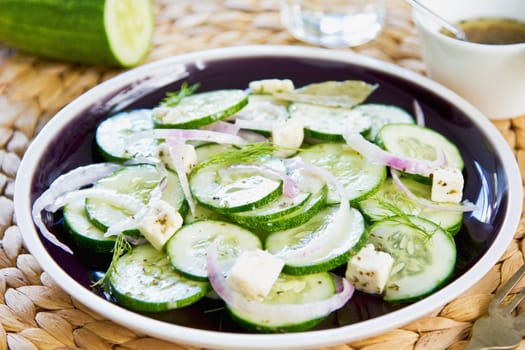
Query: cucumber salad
{"type": "Point", "coordinates": [279, 200]}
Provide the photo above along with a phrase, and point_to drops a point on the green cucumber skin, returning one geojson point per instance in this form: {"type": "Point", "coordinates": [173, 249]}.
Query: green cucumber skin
{"type": "Point", "coordinates": [71, 30]}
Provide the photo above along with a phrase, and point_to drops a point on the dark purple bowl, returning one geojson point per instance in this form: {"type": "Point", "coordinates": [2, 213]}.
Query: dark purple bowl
{"type": "Point", "coordinates": [492, 179]}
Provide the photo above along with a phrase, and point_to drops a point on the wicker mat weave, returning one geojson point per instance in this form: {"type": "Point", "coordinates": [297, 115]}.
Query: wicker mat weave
{"type": "Point", "coordinates": [36, 314]}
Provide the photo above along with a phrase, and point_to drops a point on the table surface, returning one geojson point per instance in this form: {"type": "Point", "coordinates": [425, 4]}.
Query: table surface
{"type": "Point", "coordinates": [36, 314]}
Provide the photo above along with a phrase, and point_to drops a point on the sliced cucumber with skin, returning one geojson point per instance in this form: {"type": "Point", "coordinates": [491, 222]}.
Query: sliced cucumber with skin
{"type": "Point", "coordinates": [187, 248]}
{"type": "Point", "coordinates": [264, 108]}
{"type": "Point", "coordinates": [359, 176]}
{"type": "Point", "coordinates": [424, 255]}
{"type": "Point", "coordinates": [200, 109]}
{"type": "Point", "coordinates": [202, 213]}
{"type": "Point", "coordinates": [335, 251]}
{"type": "Point", "coordinates": [232, 193]}
{"type": "Point", "coordinates": [137, 181]}
{"type": "Point", "coordinates": [311, 207]}
{"type": "Point", "coordinates": [206, 151]}
{"type": "Point", "coordinates": [112, 32]}
{"type": "Point", "coordinates": [275, 209]}
{"type": "Point", "coordinates": [328, 123]}
{"type": "Point", "coordinates": [381, 115]}
{"type": "Point", "coordinates": [284, 205]}
{"type": "Point", "coordinates": [114, 134]}
{"type": "Point", "coordinates": [390, 201]}
{"type": "Point", "coordinates": [419, 142]}
{"type": "Point", "coordinates": [143, 280]}
{"type": "Point", "coordinates": [84, 233]}
{"type": "Point", "coordinates": [289, 290]}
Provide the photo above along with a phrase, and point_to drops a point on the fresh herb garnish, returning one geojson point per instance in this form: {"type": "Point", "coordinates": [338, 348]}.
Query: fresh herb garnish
{"type": "Point", "coordinates": [121, 247]}
{"type": "Point", "coordinates": [173, 98]}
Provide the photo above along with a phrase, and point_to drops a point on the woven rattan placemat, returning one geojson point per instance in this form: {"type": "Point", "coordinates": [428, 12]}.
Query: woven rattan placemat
{"type": "Point", "coordinates": [36, 314]}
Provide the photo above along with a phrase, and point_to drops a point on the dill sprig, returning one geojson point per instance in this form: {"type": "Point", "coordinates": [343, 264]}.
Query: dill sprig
{"type": "Point", "coordinates": [400, 215]}
{"type": "Point", "coordinates": [122, 245]}
{"type": "Point", "coordinates": [250, 153]}
{"type": "Point", "coordinates": [173, 98]}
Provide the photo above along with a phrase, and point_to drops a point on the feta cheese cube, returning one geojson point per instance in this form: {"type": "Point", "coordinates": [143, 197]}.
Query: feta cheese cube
{"type": "Point", "coordinates": [159, 223]}
{"type": "Point", "coordinates": [289, 135]}
{"type": "Point", "coordinates": [187, 153]}
{"type": "Point", "coordinates": [271, 86]}
{"type": "Point", "coordinates": [447, 185]}
{"type": "Point", "coordinates": [254, 273]}
{"type": "Point", "coordinates": [369, 269]}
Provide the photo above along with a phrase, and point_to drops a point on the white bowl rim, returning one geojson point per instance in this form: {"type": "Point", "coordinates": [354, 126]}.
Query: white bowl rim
{"type": "Point", "coordinates": [302, 340]}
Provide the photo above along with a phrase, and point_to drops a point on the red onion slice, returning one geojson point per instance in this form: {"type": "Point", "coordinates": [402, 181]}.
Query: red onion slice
{"type": "Point", "coordinates": [198, 135]}
{"type": "Point", "coordinates": [418, 112]}
{"type": "Point", "coordinates": [223, 127]}
{"type": "Point", "coordinates": [121, 200]}
{"type": "Point", "coordinates": [175, 147]}
{"type": "Point", "coordinates": [288, 313]}
{"type": "Point", "coordinates": [71, 181]}
{"type": "Point", "coordinates": [380, 156]}
{"type": "Point", "coordinates": [333, 229]}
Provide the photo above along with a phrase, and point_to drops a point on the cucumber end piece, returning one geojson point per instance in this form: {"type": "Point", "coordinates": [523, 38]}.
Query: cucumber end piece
{"type": "Point", "coordinates": [129, 26]}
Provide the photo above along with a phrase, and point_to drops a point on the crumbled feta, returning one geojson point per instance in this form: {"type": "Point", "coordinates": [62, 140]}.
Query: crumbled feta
{"type": "Point", "coordinates": [159, 223]}
{"type": "Point", "coordinates": [254, 273]}
{"type": "Point", "coordinates": [369, 269]}
{"type": "Point", "coordinates": [167, 115]}
{"type": "Point", "coordinates": [447, 185]}
{"type": "Point", "coordinates": [271, 86]}
{"type": "Point", "coordinates": [288, 134]}
{"type": "Point", "coordinates": [188, 155]}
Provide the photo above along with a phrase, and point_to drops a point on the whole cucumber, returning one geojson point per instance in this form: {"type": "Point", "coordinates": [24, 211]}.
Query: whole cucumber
{"type": "Point", "coordinates": [108, 32]}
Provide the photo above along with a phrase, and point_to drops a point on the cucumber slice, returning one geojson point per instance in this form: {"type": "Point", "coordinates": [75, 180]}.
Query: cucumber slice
{"type": "Point", "coordinates": [113, 135]}
{"type": "Point", "coordinates": [113, 32]}
{"type": "Point", "coordinates": [200, 109]}
{"type": "Point", "coordinates": [206, 151]}
{"type": "Point", "coordinates": [297, 217]}
{"type": "Point", "coordinates": [278, 208]}
{"type": "Point", "coordinates": [359, 176]}
{"type": "Point", "coordinates": [282, 206]}
{"type": "Point", "coordinates": [84, 233]}
{"type": "Point", "coordinates": [187, 248]}
{"type": "Point", "coordinates": [381, 115]}
{"type": "Point", "coordinates": [138, 181]}
{"type": "Point", "coordinates": [424, 255]}
{"type": "Point", "coordinates": [264, 108]}
{"type": "Point", "coordinates": [202, 213]}
{"type": "Point", "coordinates": [334, 253]}
{"type": "Point", "coordinates": [233, 192]}
{"type": "Point", "coordinates": [144, 280]}
{"type": "Point", "coordinates": [419, 142]}
{"type": "Point", "coordinates": [289, 290]}
{"type": "Point", "coordinates": [324, 123]}
{"type": "Point", "coordinates": [390, 201]}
